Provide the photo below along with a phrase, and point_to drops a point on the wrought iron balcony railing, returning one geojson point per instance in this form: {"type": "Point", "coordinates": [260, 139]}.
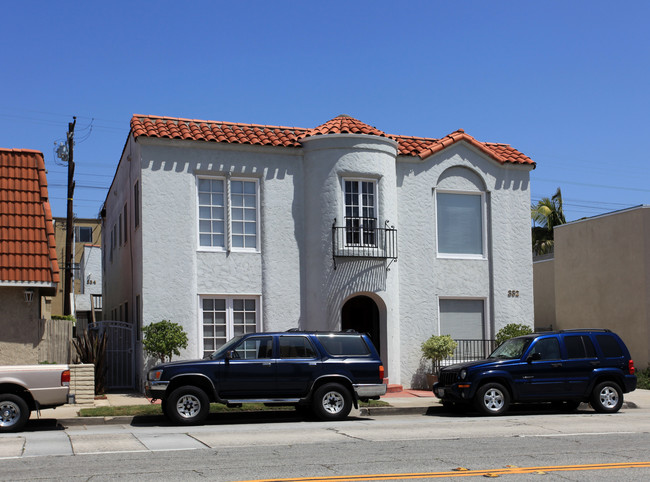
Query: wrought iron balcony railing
{"type": "Point", "coordinates": [361, 238]}
{"type": "Point", "coordinates": [470, 350]}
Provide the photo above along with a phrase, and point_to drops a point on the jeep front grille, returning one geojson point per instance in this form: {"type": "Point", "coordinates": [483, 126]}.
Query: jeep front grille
{"type": "Point", "coordinates": [448, 377]}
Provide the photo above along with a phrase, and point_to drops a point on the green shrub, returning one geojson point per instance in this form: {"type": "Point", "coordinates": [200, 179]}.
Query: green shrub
{"type": "Point", "coordinates": [164, 339]}
{"type": "Point", "coordinates": [643, 379]}
{"type": "Point", "coordinates": [64, 317]}
{"type": "Point", "coordinates": [512, 330]}
{"type": "Point", "coordinates": [437, 348]}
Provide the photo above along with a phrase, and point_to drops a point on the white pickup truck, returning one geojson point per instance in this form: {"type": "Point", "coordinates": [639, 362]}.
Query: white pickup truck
{"type": "Point", "coordinates": [24, 388]}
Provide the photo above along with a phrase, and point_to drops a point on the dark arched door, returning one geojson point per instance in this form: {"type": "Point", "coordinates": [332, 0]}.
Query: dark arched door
{"type": "Point", "coordinates": [362, 314]}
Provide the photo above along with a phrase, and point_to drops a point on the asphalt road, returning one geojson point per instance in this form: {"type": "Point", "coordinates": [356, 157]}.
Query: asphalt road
{"type": "Point", "coordinates": [520, 446]}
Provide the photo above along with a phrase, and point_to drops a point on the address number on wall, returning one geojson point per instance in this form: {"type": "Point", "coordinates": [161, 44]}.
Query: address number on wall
{"type": "Point", "coordinates": [513, 293]}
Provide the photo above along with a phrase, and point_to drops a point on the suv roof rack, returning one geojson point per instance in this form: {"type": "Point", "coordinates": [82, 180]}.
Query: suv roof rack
{"type": "Point", "coordinates": [604, 330]}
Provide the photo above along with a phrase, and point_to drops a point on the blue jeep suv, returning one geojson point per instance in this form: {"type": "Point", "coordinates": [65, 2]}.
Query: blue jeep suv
{"type": "Point", "coordinates": [324, 371]}
{"type": "Point", "coordinates": [565, 367]}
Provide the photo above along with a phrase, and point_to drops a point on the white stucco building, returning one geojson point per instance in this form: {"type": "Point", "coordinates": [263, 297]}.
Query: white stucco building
{"type": "Point", "coordinates": [228, 228]}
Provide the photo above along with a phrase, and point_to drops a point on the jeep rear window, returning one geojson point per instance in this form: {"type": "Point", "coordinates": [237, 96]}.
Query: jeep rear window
{"type": "Point", "coordinates": [344, 345]}
{"type": "Point", "coordinates": [609, 346]}
{"type": "Point", "coordinates": [579, 347]}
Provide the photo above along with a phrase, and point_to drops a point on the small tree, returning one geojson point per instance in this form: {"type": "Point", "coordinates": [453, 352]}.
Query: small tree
{"type": "Point", "coordinates": [511, 330]}
{"type": "Point", "coordinates": [164, 339]}
{"type": "Point", "coordinates": [437, 348]}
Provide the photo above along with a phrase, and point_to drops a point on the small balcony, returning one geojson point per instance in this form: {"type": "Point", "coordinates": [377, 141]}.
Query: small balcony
{"type": "Point", "coordinates": [361, 238]}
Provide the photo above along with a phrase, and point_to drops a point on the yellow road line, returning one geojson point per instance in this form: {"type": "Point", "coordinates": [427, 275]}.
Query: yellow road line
{"type": "Point", "coordinates": [464, 473]}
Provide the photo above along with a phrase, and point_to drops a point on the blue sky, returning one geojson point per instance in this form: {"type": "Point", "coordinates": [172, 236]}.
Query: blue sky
{"type": "Point", "coordinates": [565, 82]}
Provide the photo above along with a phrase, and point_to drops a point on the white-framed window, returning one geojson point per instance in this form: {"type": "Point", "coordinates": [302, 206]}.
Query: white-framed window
{"type": "Point", "coordinates": [224, 317]}
{"type": "Point", "coordinates": [228, 213]}
{"type": "Point", "coordinates": [360, 201]}
{"type": "Point", "coordinates": [461, 224]}
{"type": "Point", "coordinates": [83, 234]}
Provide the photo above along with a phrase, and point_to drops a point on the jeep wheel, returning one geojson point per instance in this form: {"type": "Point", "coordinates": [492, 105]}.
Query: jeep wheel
{"type": "Point", "coordinates": [14, 412]}
{"type": "Point", "coordinates": [607, 397]}
{"type": "Point", "coordinates": [492, 399]}
{"type": "Point", "coordinates": [332, 402]}
{"type": "Point", "coordinates": [187, 406]}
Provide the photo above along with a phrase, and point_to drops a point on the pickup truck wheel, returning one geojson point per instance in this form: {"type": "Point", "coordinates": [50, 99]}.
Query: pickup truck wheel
{"type": "Point", "coordinates": [607, 397]}
{"type": "Point", "coordinates": [14, 412]}
{"type": "Point", "coordinates": [492, 399]}
{"type": "Point", "coordinates": [187, 405]}
{"type": "Point", "coordinates": [332, 402]}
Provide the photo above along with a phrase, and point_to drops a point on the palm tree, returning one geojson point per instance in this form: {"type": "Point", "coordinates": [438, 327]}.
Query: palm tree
{"type": "Point", "coordinates": [546, 215]}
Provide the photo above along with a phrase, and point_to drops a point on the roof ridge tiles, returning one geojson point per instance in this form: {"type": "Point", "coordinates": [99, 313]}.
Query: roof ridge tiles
{"type": "Point", "coordinates": [285, 136]}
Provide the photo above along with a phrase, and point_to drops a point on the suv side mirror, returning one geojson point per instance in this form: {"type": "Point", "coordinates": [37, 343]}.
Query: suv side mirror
{"type": "Point", "coordinates": [534, 357]}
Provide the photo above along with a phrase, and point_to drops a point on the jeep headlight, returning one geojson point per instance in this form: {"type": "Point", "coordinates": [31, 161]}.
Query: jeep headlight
{"type": "Point", "coordinates": [463, 374]}
{"type": "Point", "coordinates": [154, 375]}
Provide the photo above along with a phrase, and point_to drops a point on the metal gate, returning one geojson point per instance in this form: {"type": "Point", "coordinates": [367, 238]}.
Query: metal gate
{"type": "Point", "coordinates": [119, 353]}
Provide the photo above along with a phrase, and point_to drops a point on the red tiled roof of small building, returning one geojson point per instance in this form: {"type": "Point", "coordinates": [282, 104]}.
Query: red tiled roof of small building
{"type": "Point", "coordinates": [211, 131]}
{"type": "Point", "coordinates": [27, 247]}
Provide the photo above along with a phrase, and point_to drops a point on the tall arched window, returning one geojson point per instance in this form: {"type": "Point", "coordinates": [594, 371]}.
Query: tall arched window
{"type": "Point", "coordinates": [460, 214]}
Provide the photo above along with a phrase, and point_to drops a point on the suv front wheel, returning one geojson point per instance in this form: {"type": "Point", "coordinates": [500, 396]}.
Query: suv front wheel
{"type": "Point", "coordinates": [187, 405]}
{"type": "Point", "coordinates": [607, 397]}
{"type": "Point", "coordinates": [332, 402]}
{"type": "Point", "coordinates": [492, 399]}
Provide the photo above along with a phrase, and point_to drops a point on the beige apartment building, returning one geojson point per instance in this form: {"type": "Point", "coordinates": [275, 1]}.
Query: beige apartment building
{"type": "Point", "coordinates": [87, 233]}
{"type": "Point", "coordinates": [599, 277]}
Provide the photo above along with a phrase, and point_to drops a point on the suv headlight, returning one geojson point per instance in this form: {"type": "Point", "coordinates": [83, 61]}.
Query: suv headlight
{"type": "Point", "coordinates": [463, 374]}
{"type": "Point", "coordinates": [154, 375]}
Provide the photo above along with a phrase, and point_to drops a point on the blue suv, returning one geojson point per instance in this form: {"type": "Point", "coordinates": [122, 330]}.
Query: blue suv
{"type": "Point", "coordinates": [326, 372]}
{"type": "Point", "coordinates": [565, 367]}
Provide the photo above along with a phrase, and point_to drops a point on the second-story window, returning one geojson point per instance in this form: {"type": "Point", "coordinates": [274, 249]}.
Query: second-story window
{"type": "Point", "coordinates": [228, 214]}
{"type": "Point", "coordinates": [83, 234]}
{"type": "Point", "coordinates": [360, 212]}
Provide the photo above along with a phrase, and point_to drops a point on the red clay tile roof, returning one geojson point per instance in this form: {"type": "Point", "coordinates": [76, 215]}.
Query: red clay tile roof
{"type": "Point", "coordinates": [191, 129]}
{"type": "Point", "coordinates": [27, 248]}
{"type": "Point", "coordinates": [344, 124]}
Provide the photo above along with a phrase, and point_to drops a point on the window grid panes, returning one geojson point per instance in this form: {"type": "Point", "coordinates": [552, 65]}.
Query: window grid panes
{"type": "Point", "coordinates": [360, 213]}
{"type": "Point", "coordinates": [212, 219]}
{"type": "Point", "coordinates": [243, 209]}
{"type": "Point", "coordinates": [225, 318]}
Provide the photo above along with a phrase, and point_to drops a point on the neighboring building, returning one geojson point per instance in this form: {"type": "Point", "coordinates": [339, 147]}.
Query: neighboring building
{"type": "Point", "coordinates": [86, 232]}
{"type": "Point", "coordinates": [88, 302]}
{"type": "Point", "coordinates": [599, 277]}
{"type": "Point", "coordinates": [231, 228]}
{"type": "Point", "coordinates": [28, 264]}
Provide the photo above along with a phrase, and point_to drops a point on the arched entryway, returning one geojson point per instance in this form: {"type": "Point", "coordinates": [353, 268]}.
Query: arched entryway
{"type": "Point", "coordinates": [362, 314]}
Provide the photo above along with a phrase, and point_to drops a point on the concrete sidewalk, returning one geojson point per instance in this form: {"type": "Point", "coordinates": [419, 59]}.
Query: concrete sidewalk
{"type": "Point", "coordinates": [402, 402]}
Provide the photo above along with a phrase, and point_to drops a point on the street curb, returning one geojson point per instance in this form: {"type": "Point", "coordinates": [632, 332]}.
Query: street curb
{"type": "Point", "coordinates": [362, 412]}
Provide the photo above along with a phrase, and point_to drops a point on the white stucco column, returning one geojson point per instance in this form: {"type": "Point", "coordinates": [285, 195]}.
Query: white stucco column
{"type": "Point", "coordinates": [328, 161]}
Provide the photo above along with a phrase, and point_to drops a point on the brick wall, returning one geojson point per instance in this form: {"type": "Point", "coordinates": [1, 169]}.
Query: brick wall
{"type": "Point", "coordinates": [82, 383]}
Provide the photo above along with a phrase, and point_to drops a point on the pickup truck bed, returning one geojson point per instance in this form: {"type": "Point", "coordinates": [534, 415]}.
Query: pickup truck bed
{"type": "Point", "coordinates": [24, 388]}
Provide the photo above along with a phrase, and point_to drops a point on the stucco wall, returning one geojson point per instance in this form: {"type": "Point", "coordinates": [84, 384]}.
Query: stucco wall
{"type": "Point", "coordinates": [425, 277]}
{"type": "Point", "coordinates": [175, 265]}
{"type": "Point", "coordinates": [602, 274]}
{"type": "Point", "coordinates": [19, 327]}
{"type": "Point", "coordinates": [544, 289]}
{"type": "Point", "coordinates": [329, 160]}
